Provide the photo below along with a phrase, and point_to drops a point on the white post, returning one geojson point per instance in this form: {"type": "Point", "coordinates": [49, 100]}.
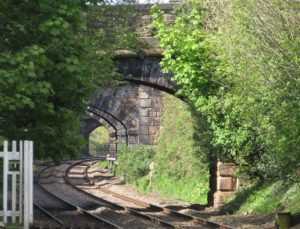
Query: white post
{"type": "Point", "coordinates": [5, 180]}
{"type": "Point", "coordinates": [14, 190]}
{"type": "Point", "coordinates": [21, 183]}
{"type": "Point", "coordinates": [26, 185]}
{"type": "Point", "coordinates": [14, 185]}
{"type": "Point", "coordinates": [30, 182]}
{"type": "Point", "coordinates": [22, 179]}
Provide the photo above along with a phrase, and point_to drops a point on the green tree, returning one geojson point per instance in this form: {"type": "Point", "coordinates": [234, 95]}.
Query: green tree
{"type": "Point", "coordinates": [238, 62]}
{"type": "Point", "coordinates": [49, 69]}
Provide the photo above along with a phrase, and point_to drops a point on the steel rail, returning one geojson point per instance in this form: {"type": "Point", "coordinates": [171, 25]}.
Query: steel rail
{"type": "Point", "coordinates": [49, 214]}
{"type": "Point", "coordinates": [168, 211]}
{"type": "Point", "coordinates": [120, 207]}
{"type": "Point", "coordinates": [74, 207]}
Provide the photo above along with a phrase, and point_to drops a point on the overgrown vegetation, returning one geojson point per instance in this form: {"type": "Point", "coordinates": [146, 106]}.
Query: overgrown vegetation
{"type": "Point", "coordinates": [53, 57]}
{"type": "Point", "coordinates": [268, 197]}
{"type": "Point", "coordinates": [100, 163]}
{"type": "Point", "coordinates": [176, 157]}
{"type": "Point", "coordinates": [134, 161]}
{"type": "Point", "coordinates": [99, 142]}
{"type": "Point", "coordinates": [238, 63]}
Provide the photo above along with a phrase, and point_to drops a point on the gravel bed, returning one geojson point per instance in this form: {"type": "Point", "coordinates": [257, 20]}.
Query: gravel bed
{"type": "Point", "coordinates": [97, 208]}
{"type": "Point", "coordinates": [99, 193]}
{"type": "Point", "coordinates": [71, 219]}
{"type": "Point", "coordinates": [101, 177]}
{"type": "Point", "coordinates": [125, 220]}
{"type": "Point", "coordinates": [41, 220]}
{"type": "Point", "coordinates": [45, 200]}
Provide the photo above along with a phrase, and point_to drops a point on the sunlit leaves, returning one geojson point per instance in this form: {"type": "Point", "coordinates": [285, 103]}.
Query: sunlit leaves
{"type": "Point", "coordinates": [238, 63]}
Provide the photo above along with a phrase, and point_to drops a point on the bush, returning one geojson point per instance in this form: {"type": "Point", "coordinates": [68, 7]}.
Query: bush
{"type": "Point", "coordinates": [178, 157]}
{"type": "Point", "coordinates": [134, 161]}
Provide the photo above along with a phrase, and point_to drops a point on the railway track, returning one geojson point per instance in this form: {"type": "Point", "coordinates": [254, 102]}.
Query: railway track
{"type": "Point", "coordinates": [98, 213]}
{"type": "Point", "coordinates": [77, 176]}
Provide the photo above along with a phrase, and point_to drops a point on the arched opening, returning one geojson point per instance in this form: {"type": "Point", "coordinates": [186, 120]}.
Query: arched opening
{"type": "Point", "coordinates": [99, 142]}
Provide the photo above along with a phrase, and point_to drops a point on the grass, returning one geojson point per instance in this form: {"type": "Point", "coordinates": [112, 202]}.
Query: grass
{"type": "Point", "coordinates": [266, 198]}
{"type": "Point", "coordinates": [99, 142]}
{"type": "Point", "coordinates": [100, 163]}
{"type": "Point", "coordinates": [176, 158]}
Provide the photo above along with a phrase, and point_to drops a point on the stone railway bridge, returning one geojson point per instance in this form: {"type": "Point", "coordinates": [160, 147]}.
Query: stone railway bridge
{"type": "Point", "coordinates": [131, 111]}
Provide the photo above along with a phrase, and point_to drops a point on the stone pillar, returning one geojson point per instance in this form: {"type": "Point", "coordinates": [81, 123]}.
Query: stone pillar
{"type": "Point", "coordinates": [150, 108]}
{"type": "Point", "coordinates": [226, 183]}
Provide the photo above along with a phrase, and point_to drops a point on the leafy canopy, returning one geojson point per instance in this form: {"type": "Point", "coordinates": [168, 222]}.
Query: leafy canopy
{"type": "Point", "coordinates": [238, 63]}
{"type": "Point", "coordinates": [49, 69]}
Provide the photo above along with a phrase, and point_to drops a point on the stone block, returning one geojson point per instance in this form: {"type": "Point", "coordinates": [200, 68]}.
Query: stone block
{"type": "Point", "coordinates": [226, 183]}
{"type": "Point", "coordinates": [122, 139]}
{"type": "Point", "coordinates": [144, 130]}
{"type": "Point", "coordinates": [144, 88]}
{"type": "Point", "coordinates": [220, 198]}
{"type": "Point", "coordinates": [112, 152]}
{"type": "Point", "coordinates": [144, 121]}
{"type": "Point", "coordinates": [226, 169]}
{"type": "Point", "coordinates": [112, 139]}
{"type": "Point", "coordinates": [132, 140]}
{"type": "Point", "coordinates": [144, 112]}
{"type": "Point", "coordinates": [112, 146]}
{"type": "Point", "coordinates": [155, 139]}
{"type": "Point", "coordinates": [145, 139]}
{"type": "Point", "coordinates": [152, 114]}
{"type": "Point", "coordinates": [145, 103]}
{"type": "Point", "coordinates": [157, 102]}
{"type": "Point", "coordinates": [112, 135]}
{"type": "Point", "coordinates": [153, 130]}
{"type": "Point", "coordinates": [133, 131]}
{"type": "Point", "coordinates": [143, 95]}
{"type": "Point", "coordinates": [155, 93]}
{"type": "Point", "coordinates": [156, 121]}
{"type": "Point", "coordinates": [161, 81]}
{"type": "Point", "coordinates": [155, 109]}
{"type": "Point", "coordinates": [169, 17]}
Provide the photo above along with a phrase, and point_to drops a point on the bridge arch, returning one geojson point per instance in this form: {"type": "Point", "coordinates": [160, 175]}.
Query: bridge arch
{"type": "Point", "coordinates": [132, 109]}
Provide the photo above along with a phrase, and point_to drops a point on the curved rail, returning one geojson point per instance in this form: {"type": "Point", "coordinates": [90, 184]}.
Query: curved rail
{"type": "Point", "coordinates": [117, 206]}
{"type": "Point", "coordinates": [74, 207]}
{"type": "Point", "coordinates": [49, 214]}
{"type": "Point", "coordinates": [152, 207]}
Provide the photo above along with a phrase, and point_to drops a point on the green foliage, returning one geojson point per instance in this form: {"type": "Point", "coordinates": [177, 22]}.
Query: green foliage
{"type": "Point", "coordinates": [267, 198]}
{"type": "Point", "coordinates": [49, 69]}
{"type": "Point", "coordinates": [99, 142]}
{"type": "Point", "coordinates": [238, 63]}
{"type": "Point", "coordinates": [100, 163]}
{"type": "Point", "coordinates": [134, 161]}
{"type": "Point", "coordinates": [177, 157]}
{"type": "Point", "coordinates": [45, 77]}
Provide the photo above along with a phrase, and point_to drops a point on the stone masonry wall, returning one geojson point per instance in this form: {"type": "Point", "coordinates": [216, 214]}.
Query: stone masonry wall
{"type": "Point", "coordinates": [226, 183]}
{"type": "Point", "coordinates": [150, 109]}
{"type": "Point", "coordinates": [131, 113]}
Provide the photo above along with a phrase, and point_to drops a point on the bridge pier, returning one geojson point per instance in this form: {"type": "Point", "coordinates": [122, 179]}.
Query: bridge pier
{"type": "Point", "coordinates": [227, 183]}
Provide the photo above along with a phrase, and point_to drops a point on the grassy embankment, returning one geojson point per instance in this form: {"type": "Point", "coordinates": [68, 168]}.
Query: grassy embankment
{"type": "Point", "coordinates": [267, 197]}
{"type": "Point", "coordinates": [177, 165]}
{"type": "Point", "coordinates": [180, 174]}
{"type": "Point", "coordinates": [178, 171]}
